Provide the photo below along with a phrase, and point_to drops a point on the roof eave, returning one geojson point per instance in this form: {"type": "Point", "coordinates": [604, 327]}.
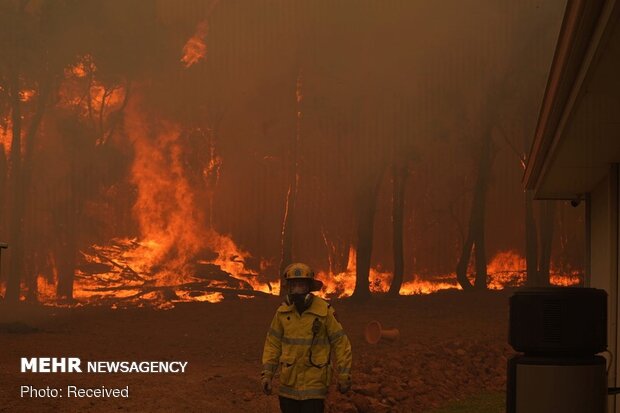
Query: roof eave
{"type": "Point", "coordinates": [578, 25]}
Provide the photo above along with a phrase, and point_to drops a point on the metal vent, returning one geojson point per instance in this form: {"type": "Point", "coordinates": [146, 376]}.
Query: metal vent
{"type": "Point", "coordinates": [552, 328]}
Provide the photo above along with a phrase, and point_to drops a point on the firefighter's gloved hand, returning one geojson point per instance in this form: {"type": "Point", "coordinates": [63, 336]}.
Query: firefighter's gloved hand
{"type": "Point", "coordinates": [344, 386]}
{"type": "Point", "coordinates": [266, 385]}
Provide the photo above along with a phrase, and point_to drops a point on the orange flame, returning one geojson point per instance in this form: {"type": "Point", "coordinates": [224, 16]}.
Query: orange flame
{"type": "Point", "coordinates": [6, 123]}
{"type": "Point", "coordinates": [506, 269]}
{"type": "Point", "coordinates": [118, 282]}
{"type": "Point", "coordinates": [195, 48]}
{"type": "Point", "coordinates": [232, 260]}
{"type": "Point", "coordinates": [123, 272]}
{"type": "Point", "coordinates": [26, 94]}
{"type": "Point", "coordinates": [46, 290]}
{"type": "Point", "coordinates": [170, 221]}
{"type": "Point", "coordinates": [159, 266]}
{"type": "Point", "coordinates": [84, 91]}
{"type": "Point", "coordinates": [81, 68]}
{"type": "Point", "coordinates": [6, 134]}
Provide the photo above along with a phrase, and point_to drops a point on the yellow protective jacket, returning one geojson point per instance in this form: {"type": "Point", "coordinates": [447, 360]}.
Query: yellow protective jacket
{"type": "Point", "coordinates": [290, 343]}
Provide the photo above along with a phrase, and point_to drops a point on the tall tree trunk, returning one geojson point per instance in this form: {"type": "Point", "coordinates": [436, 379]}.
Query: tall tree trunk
{"type": "Point", "coordinates": [546, 239]}
{"type": "Point", "coordinates": [480, 282]}
{"type": "Point", "coordinates": [65, 259]}
{"type": "Point", "coordinates": [4, 173]}
{"type": "Point", "coordinates": [399, 171]}
{"type": "Point", "coordinates": [69, 226]}
{"type": "Point", "coordinates": [531, 241]}
{"type": "Point", "coordinates": [291, 196]}
{"type": "Point", "coordinates": [463, 264]}
{"type": "Point", "coordinates": [342, 256]}
{"type": "Point", "coordinates": [476, 231]}
{"type": "Point", "coordinates": [16, 188]}
{"type": "Point", "coordinates": [21, 171]}
{"type": "Point", "coordinates": [212, 175]}
{"type": "Point", "coordinates": [287, 231]}
{"type": "Point", "coordinates": [337, 252]}
{"type": "Point", "coordinates": [480, 205]}
{"type": "Point", "coordinates": [366, 206]}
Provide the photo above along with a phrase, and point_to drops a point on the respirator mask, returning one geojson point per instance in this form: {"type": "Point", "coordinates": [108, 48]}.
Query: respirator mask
{"type": "Point", "coordinates": [299, 294]}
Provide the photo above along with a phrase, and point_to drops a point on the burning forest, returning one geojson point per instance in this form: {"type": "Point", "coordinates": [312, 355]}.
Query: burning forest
{"type": "Point", "coordinates": [155, 153]}
{"type": "Point", "coordinates": [163, 162]}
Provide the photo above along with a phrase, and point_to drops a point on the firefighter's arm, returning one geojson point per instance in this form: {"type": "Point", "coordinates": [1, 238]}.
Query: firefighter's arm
{"type": "Point", "coordinates": [341, 346]}
{"type": "Point", "coordinates": [273, 348]}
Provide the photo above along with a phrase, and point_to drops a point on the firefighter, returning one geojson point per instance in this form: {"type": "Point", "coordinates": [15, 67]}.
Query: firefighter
{"type": "Point", "coordinates": [302, 341]}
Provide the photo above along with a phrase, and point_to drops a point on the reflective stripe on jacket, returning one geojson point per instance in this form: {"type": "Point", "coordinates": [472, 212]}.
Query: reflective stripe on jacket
{"type": "Point", "coordinates": [288, 344]}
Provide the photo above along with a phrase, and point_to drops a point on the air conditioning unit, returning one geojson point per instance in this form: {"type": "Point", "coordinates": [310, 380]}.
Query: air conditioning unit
{"type": "Point", "coordinates": [560, 330]}
{"type": "Point", "coordinates": [556, 321]}
{"type": "Point", "coordinates": [562, 385]}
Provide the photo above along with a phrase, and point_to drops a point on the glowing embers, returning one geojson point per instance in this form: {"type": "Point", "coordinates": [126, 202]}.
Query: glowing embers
{"type": "Point", "coordinates": [208, 297]}
{"type": "Point", "coordinates": [566, 280]}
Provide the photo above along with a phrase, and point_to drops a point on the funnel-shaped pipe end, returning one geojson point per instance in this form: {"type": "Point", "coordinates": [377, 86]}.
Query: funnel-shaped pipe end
{"type": "Point", "coordinates": [372, 333]}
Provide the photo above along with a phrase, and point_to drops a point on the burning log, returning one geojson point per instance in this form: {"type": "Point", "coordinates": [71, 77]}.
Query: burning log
{"type": "Point", "coordinates": [95, 268]}
{"type": "Point", "coordinates": [212, 272]}
{"type": "Point", "coordinates": [129, 271]}
{"type": "Point", "coordinates": [124, 268]}
{"type": "Point", "coordinates": [194, 286]}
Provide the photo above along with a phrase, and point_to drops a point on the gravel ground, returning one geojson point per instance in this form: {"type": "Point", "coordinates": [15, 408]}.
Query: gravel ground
{"type": "Point", "coordinates": [452, 345]}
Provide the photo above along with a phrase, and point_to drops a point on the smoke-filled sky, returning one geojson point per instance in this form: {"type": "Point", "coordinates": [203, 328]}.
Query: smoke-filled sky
{"type": "Point", "coordinates": [175, 121]}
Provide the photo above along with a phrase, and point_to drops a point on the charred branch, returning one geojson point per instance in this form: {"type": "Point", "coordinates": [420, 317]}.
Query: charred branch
{"type": "Point", "coordinates": [194, 286]}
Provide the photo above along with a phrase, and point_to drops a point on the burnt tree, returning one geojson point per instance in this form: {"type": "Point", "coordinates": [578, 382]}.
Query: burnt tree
{"type": "Point", "coordinates": [37, 41]}
{"type": "Point", "coordinates": [365, 208]}
{"type": "Point", "coordinates": [21, 165]}
{"type": "Point", "coordinates": [476, 229]}
{"type": "Point", "coordinates": [15, 203]}
{"type": "Point", "coordinates": [286, 256]}
{"type": "Point", "coordinates": [400, 173]}
{"type": "Point", "coordinates": [539, 241]}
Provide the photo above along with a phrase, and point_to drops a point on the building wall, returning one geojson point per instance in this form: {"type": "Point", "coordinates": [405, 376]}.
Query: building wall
{"type": "Point", "coordinates": [603, 229]}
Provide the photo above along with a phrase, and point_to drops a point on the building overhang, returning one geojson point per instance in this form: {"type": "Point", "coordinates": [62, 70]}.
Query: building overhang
{"type": "Point", "coordinates": [577, 135]}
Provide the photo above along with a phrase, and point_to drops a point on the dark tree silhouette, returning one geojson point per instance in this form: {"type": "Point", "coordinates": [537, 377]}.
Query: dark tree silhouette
{"type": "Point", "coordinates": [286, 257]}
{"type": "Point", "coordinates": [475, 234]}
{"type": "Point", "coordinates": [21, 157]}
{"type": "Point", "coordinates": [365, 208]}
{"type": "Point", "coordinates": [399, 172]}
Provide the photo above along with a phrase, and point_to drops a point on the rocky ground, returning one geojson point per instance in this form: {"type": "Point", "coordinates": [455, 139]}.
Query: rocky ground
{"type": "Point", "coordinates": [452, 346]}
